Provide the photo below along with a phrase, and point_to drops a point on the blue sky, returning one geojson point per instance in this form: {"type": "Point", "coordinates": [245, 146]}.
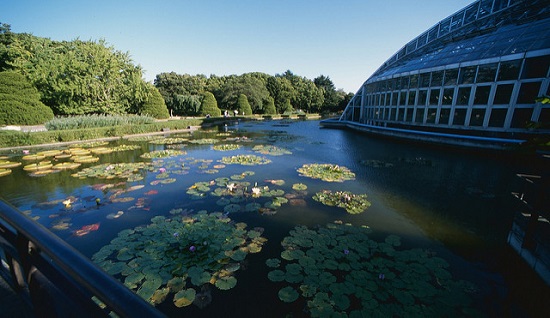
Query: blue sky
{"type": "Point", "coordinates": [345, 40]}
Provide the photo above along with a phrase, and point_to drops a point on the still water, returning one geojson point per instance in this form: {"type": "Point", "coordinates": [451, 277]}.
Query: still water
{"type": "Point", "coordinates": [449, 204]}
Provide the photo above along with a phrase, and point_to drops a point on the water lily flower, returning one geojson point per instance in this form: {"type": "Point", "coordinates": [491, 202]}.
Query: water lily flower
{"type": "Point", "coordinates": [256, 191]}
{"type": "Point", "coordinates": [162, 170]}
{"type": "Point", "coordinates": [67, 203]}
{"type": "Point", "coordinates": [231, 187]}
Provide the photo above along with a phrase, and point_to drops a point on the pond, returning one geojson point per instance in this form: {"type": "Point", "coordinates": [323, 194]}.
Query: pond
{"type": "Point", "coordinates": [283, 218]}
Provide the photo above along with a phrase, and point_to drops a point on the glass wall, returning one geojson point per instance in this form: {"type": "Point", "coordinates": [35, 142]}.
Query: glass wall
{"type": "Point", "coordinates": [494, 96]}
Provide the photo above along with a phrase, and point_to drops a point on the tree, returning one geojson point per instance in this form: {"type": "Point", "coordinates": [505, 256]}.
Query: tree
{"type": "Point", "coordinates": [181, 92]}
{"type": "Point", "coordinates": [209, 105]}
{"type": "Point", "coordinates": [243, 106]}
{"type": "Point", "coordinates": [269, 108]}
{"type": "Point", "coordinates": [281, 89]}
{"type": "Point", "coordinates": [252, 85]}
{"type": "Point", "coordinates": [331, 97]}
{"type": "Point", "coordinates": [78, 77]}
{"type": "Point", "coordinates": [287, 107]}
{"type": "Point", "coordinates": [154, 105]}
{"type": "Point", "coordinates": [20, 101]}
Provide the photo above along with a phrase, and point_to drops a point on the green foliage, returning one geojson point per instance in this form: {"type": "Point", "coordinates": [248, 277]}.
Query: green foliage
{"type": "Point", "coordinates": [209, 105]}
{"type": "Point", "coordinates": [269, 108]}
{"type": "Point", "coordinates": [20, 102]}
{"type": "Point", "coordinates": [77, 77]}
{"type": "Point", "coordinates": [287, 107]}
{"type": "Point", "coordinates": [91, 121]}
{"type": "Point", "coordinates": [182, 93]}
{"type": "Point", "coordinates": [154, 105]}
{"type": "Point", "coordinates": [243, 106]}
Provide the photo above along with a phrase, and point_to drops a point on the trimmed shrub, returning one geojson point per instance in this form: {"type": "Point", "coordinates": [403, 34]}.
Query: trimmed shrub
{"type": "Point", "coordinates": [243, 106]}
{"type": "Point", "coordinates": [154, 105]}
{"type": "Point", "coordinates": [209, 105]}
{"type": "Point", "coordinates": [20, 101]}
{"type": "Point", "coordinates": [269, 108]}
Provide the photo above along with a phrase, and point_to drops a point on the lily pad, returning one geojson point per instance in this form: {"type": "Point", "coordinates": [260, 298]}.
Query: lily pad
{"type": "Point", "coordinates": [299, 187]}
{"type": "Point", "coordinates": [226, 283]}
{"type": "Point", "coordinates": [184, 297]}
{"type": "Point", "coordinates": [288, 294]}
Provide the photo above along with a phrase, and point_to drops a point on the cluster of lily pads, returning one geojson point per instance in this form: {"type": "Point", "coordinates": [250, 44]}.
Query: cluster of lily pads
{"type": "Point", "coordinates": [162, 154]}
{"type": "Point", "coordinates": [226, 147]}
{"type": "Point", "coordinates": [353, 203]}
{"type": "Point", "coordinates": [237, 195]}
{"type": "Point", "coordinates": [339, 271]}
{"type": "Point", "coordinates": [129, 171]}
{"type": "Point", "coordinates": [326, 172]}
{"type": "Point", "coordinates": [182, 255]}
{"type": "Point", "coordinates": [245, 160]}
{"type": "Point", "coordinates": [271, 150]}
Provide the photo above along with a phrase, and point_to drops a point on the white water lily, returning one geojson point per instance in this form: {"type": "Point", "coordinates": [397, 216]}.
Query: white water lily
{"type": "Point", "coordinates": [256, 191]}
{"type": "Point", "coordinates": [231, 187]}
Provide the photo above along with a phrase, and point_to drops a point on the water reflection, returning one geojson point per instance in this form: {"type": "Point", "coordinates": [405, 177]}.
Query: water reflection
{"type": "Point", "coordinates": [456, 204]}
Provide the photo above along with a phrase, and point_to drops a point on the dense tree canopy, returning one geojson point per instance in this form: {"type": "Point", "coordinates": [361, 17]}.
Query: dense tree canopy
{"type": "Point", "coordinates": [287, 91]}
{"type": "Point", "coordinates": [75, 77]}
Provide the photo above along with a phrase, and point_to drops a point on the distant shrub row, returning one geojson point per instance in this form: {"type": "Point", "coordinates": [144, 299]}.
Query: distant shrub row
{"type": "Point", "coordinates": [17, 138]}
{"type": "Point", "coordinates": [94, 121]}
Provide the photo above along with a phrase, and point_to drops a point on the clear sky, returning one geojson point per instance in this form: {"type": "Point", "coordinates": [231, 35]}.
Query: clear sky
{"type": "Point", "coordinates": [346, 40]}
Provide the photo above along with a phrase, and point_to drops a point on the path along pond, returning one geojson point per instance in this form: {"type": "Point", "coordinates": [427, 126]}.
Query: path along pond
{"type": "Point", "coordinates": [283, 218]}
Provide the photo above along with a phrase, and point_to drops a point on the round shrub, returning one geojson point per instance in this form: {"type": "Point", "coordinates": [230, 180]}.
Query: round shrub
{"type": "Point", "coordinates": [154, 106]}
{"type": "Point", "coordinates": [20, 102]}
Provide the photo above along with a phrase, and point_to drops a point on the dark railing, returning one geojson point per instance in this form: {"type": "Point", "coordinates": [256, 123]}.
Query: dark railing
{"type": "Point", "coordinates": [55, 279]}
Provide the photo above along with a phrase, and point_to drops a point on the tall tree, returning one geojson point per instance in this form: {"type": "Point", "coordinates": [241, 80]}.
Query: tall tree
{"type": "Point", "coordinates": [250, 85]}
{"type": "Point", "coordinates": [78, 77]}
{"type": "Point", "coordinates": [331, 97]}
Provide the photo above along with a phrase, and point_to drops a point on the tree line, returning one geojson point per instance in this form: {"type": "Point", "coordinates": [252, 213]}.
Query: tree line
{"type": "Point", "coordinates": [90, 77]}
{"type": "Point", "coordinates": [266, 94]}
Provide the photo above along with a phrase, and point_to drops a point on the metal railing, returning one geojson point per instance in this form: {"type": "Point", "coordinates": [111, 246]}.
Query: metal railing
{"type": "Point", "coordinates": [55, 279]}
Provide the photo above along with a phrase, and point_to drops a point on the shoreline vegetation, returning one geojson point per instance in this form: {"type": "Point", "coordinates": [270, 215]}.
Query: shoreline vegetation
{"type": "Point", "coordinates": [15, 137]}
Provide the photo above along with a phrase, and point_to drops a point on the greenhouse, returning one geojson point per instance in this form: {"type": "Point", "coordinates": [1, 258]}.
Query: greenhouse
{"type": "Point", "coordinates": [477, 75]}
